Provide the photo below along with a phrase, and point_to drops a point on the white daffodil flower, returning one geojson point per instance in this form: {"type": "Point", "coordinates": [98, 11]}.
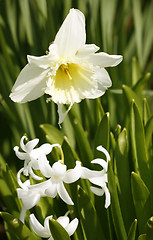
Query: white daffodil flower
{"type": "Point", "coordinates": [31, 155]}
{"type": "Point", "coordinates": [99, 178]}
{"type": "Point", "coordinates": [45, 231]}
{"type": "Point", "coordinates": [71, 71]}
{"type": "Point", "coordinates": [58, 175]}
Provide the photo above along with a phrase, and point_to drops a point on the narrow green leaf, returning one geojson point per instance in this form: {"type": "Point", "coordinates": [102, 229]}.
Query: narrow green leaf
{"type": "Point", "coordinates": [149, 229]}
{"type": "Point", "coordinates": [12, 181]}
{"type": "Point", "coordinates": [102, 134]}
{"type": "Point", "coordinates": [26, 20]}
{"type": "Point", "coordinates": [12, 204]}
{"type": "Point", "coordinates": [88, 216]}
{"type": "Point", "coordinates": [57, 231]}
{"type": "Point", "coordinates": [136, 73]}
{"type": "Point", "coordinates": [149, 131]}
{"type": "Point", "coordinates": [138, 144]}
{"type": "Point", "coordinates": [115, 205]}
{"type": "Point", "coordinates": [70, 155]}
{"type": "Point", "coordinates": [19, 230]}
{"type": "Point", "coordinates": [141, 199]}
{"type": "Point", "coordinates": [138, 21]}
{"type": "Point", "coordinates": [142, 237]}
{"type": "Point", "coordinates": [124, 178]}
{"type": "Point", "coordinates": [129, 95]}
{"type": "Point", "coordinates": [146, 111]}
{"type": "Point", "coordinates": [84, 147]}
{"type": "Point", "coordinates": [132, 231]}
{"type": "Point", "coordinates": [141, 84]}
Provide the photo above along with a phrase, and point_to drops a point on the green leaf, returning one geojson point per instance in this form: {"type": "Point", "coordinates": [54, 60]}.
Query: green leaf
{"type": "Point", "coordinates": [57, 231]}
{"type": "Point", "coordinates": [8, 189]}
{"type": "Point", "coordinates": [17, 228]}
{"type": "Point", "coordinates": [141, 84]}
{"type": "Point", "coordinates": [88, 216]}
{"type": "Point", "coordinates": [138, 21]}
{"type": "Point", "coordinates": [53, 135]}
{"type": "Point", "coordinates": [136, 73]}
{"type": "Point", "coordinates": [129, 95]}
{"type": "Point", "coordinates": [141, 199]}
{"type": "Point", "coordinates": [12, 181]}
{"type": "Point", "coordinates": [149, 132]}
{"type": "Point", "coordinates": [142, 237]}
{"type": "Point", "coordinates": [84, 147]}
{"type": "Point", "coordinates": [138, 145]}
{"type": "Point", "coordinates": [124, 178]}
{"type": "Point", "coordinates": [102, 134]}
{"type": "Point", "coordinates": [70, 155]}
{"type": "Point", "coordinates": [132, 231]}
{"type": "Point", "coordinates": [149, 228]}
{"type": "Point", "coordinates": [115, 206]}
{"type": "Point", "coordinates": [146, 111]}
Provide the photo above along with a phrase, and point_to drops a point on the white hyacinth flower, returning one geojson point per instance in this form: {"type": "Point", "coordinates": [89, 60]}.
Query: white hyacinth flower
{"type": "Point", "coordinates": [58, 175]}
{"type": "Point", "coordinates": [31, 155]}
{"type": "Point", "coordinates": [99, 178]}
{"type": "Point", "coordinates": [44, 231]}
{"type": "Point", "coordinates": [71, 71]}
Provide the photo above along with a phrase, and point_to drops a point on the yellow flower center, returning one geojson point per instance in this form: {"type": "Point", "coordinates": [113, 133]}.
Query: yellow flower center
{"type": "Point", "coordinates": [65, 68]}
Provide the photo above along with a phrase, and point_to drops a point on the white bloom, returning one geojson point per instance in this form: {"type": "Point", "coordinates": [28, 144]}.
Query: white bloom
{"type": "Point", "coordinates": [58, 175]}
{"type": "Point", "coordinates": [99, 178]}
{"type": "Point", "coordinates": [72, 71]}
{"type": "Point", "coordinates": [31, 155]}
{"type": "Point", "coordinates": [44, 231]}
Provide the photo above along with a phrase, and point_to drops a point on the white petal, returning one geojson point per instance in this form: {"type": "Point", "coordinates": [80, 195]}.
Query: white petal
{"type": "Point", "coordinates": [23, 146]}
{"type": "Point", "coordinates": [99, 180]}
{"type": "Point", "coordinates": [97, 191]}
{"type": "Point", "coordinates": [31, 144]}
{"type": "Point", "coordinates": [46, 222]}
{"type": "Point", "coordinates": [103, 78]}
{"type": "Point", "coordinates": [47, 148]}
{"type": "Point", "coordinates": [61, 114]}
{"type": "Point", "coordinates": [33, 175]}
{"type": "Point", "coordinates": [30, 84]}
{"type": "Point", "coordinates": [51, 191]}
{"type": "Point", "coordinates": [72, 226]}
{"type": "Point", "coordinates": [22, 214]}
{"type": "Point", "coordinates": [71, 36]}
{"type": "Point", "coordinates": [63, 194]}
{"type": "Point", "coordinates": [63, 220]}
{"type": "Point", "coordinates": [86, 50]}
{"type": "Point", "coordinates": [59, 169]}
{"type": "Point", "coordinates": [40, 187]}
{"type": "Point", "coordinates": [73, 175]}
{"type": "Point", "coordinates": [102, 149]}
{"type": "Point", "coordinates": [88, 174]}
{"type": "Point", "coordinates": [20, 155]}
{"type": "Point", "coordinates": [51, 238]}
{"type": "Point", "coordinates": [22, 185]}
{"type": "Point", "coordinates": [101, 162]}
{"type": "Point", "coordinates": [30, 200]}
{"type": "Point", "coordinates": [44, 62]}
{"type": "Point", "coordinates": [107, 197]}
{"type": "Point", "coordinates": [38, 228]}
{"type": "Point", "coordinates": [100, 192]}
{"type": "Point", "coordinates": [105, 60]}
{"type": "Point", "coordinates": [44, 166]}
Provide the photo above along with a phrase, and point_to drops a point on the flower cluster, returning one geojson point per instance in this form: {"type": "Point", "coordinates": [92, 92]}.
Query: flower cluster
{"type": "Point", "coordinates": [52, 183]}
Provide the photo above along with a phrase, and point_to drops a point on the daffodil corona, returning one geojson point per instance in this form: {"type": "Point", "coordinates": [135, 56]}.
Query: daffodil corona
{"type": "Point", "coordinates": [70, 72]}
